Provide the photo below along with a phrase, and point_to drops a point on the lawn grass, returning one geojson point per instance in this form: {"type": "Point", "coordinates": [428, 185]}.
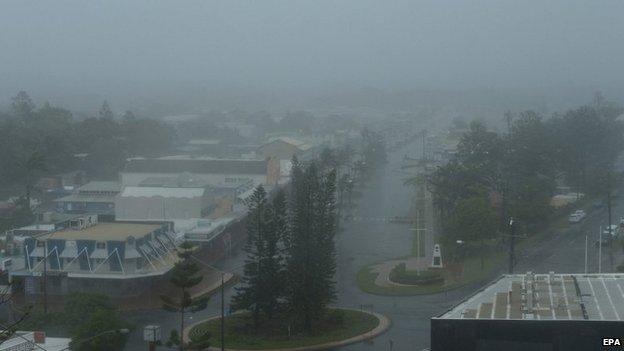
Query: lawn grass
{"type": "Point", "coordinates": [472, 273]}
{"type": "Point", "coordinates": [238, 334]}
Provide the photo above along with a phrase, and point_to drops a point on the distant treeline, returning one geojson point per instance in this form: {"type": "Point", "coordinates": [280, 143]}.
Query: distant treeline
{"type": "Point", "coordinates": [39, 140]}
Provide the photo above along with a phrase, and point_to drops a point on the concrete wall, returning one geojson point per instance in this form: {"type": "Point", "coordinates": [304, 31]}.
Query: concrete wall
{"type": "Point", "coordinates": [520, 335]}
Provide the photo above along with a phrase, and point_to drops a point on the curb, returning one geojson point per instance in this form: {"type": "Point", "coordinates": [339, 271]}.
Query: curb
{"type": "Point", "coordinates": [382, 327]}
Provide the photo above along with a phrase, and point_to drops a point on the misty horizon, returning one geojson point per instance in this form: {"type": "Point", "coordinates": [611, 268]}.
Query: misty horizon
{"type": "Point", "coordinates": [296, 53]}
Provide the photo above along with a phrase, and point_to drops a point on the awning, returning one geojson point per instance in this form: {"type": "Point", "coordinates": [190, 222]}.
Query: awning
{"type": "Point", "coordinates": [99, 254]}
{"type": "Point", "coordinates": [69, 252]}
{"type": "Point", "coordinates": [132, 253]}
{"type": "Point", "coordinates": [37, 252]}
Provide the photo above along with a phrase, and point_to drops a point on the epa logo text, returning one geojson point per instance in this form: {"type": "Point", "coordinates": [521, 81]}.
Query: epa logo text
{"type": "Point", "coordinates": [611, 342]}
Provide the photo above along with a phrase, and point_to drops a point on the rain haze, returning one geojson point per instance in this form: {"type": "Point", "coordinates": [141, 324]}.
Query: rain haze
{"type": "Point", "coordinates": [347, 175]}
{"type": "Point", "coordinates": [126, 50]}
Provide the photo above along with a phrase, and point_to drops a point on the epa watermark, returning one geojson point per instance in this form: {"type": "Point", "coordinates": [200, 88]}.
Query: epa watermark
{"type": "Point", "coordinates": [612, 342]}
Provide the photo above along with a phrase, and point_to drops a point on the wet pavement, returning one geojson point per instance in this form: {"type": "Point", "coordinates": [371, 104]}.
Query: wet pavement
{"type": "Point", "coordinates": [363, 242]}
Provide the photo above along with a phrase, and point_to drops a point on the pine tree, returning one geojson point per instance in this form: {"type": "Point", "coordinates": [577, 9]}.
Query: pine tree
{"type": "Point", "coordinates": [262, 280]}
{"type": "Point", "coordinates": [311, 258]}
{"type": "Point", "coordinates": [325, 219]}
{"type": "Point", "coordinates": [185, 275]}
{"type": "Point", "coordinates": [272, 264]}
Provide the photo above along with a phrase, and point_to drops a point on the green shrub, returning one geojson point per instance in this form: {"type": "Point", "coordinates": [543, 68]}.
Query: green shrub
{"type": "Point", "coordinates": [401, 275]}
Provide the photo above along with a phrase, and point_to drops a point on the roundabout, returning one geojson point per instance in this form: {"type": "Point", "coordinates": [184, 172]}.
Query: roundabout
{"type": "Point", "coordinates": [379, 278]}
{"type": "Point", "coordinates": [341, 327]}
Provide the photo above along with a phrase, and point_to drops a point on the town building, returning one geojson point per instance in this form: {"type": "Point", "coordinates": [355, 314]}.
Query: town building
{"type": "Point", "coordinates": [62, 182]}
{"type": "Point", "coordinates": [283, 148]}
{"type": "Point", "coordinates": [160, 203]}
{"type": "Point", "coordinates": [214, 172]}
{"type": "Point", "coordinates": [553, 312]}
{"type": "Point", "coordinates": [34, 340]}
{"type": "Point", "coordinates": [96, 197]}
{"type": "Point", "coordinates": [119, 259]}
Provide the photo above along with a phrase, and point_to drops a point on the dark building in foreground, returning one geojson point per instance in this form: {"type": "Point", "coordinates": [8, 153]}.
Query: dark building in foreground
{"type": "Point", "coordinates": [540, 312]}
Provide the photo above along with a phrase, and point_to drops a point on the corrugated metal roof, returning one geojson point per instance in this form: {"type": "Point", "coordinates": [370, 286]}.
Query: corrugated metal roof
{"type": "Point", "coordinates": [86, 198]}
{"type": "Point", "coordinates": [554, 297]}
{"type": "Point", "coordinates": [96, 185]}
{"type": "Point", "coordinates": [200, 166]}
{"type": "Point", "coordinates": [139, 191]}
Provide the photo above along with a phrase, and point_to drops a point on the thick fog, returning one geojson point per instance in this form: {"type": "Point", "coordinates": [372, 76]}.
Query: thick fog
{"type": "Point", "coordinates": [128, 50]}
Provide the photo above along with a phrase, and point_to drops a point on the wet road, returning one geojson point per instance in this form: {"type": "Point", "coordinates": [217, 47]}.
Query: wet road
{"type": "Point", "coordinates": [368, 240]}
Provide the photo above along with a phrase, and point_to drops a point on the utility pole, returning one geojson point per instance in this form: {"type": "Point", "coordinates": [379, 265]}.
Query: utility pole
{"type": "Point", "coordinates": [45, 279]}
{"type": "Point", "coordinates": [610, 229]}
{"type": "Point", "coordinates": [222, 314]}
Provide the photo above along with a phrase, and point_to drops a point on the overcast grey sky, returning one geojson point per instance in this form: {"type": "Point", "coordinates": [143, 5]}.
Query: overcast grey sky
{"type": "Point", "coordinates": [116, 48]}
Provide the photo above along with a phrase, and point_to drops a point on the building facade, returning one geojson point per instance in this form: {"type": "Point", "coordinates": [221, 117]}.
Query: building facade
{"type": "Point", "coordinates": [213, 172]}
{"type": "Point", "coordinates": [116, 258]}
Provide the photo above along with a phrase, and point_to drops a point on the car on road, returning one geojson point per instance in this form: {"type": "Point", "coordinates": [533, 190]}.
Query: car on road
{"type": "Point", "coordinates": [577, 216]}
{"type": "Point", "coordinates": [615, 231]}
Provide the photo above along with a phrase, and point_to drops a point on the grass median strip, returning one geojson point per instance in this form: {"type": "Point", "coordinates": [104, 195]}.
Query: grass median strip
{"type": "Point", "coordinates": [454, 277]}
{"type": "Point", "coordinates": [340, 324]}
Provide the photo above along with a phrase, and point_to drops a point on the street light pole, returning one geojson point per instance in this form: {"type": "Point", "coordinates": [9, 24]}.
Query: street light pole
{"type": "Point", "coordinates": [45, 279]}
{"type": "Point", "coordinates": [600, 251]}
{"type": "Point", "coordinates": [512, 238]}
{"type": "Point", "coordinates": [222, 314]}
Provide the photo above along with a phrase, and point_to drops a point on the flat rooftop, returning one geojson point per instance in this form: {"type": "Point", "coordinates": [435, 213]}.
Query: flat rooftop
{"type": "Point", "coordinates": [554, 297]}
{"type": "Point", "coordinates": [105, 231]}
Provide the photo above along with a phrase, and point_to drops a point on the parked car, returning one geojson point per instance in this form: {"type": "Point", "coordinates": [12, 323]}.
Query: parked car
{"type": "Point", "coordinates": [615, 231]}
{"type": "Point", "coordinates": [577, 216]}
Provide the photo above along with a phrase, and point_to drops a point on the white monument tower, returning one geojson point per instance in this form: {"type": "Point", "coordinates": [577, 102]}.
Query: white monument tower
{"type": "Point", "coordinates": [436, 261]}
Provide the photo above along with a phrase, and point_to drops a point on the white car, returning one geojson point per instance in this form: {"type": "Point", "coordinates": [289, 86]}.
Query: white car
{"type": "Point", "coordinates": [577, 216]}
{"type": "Point", "coordinates": [614, 231]}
